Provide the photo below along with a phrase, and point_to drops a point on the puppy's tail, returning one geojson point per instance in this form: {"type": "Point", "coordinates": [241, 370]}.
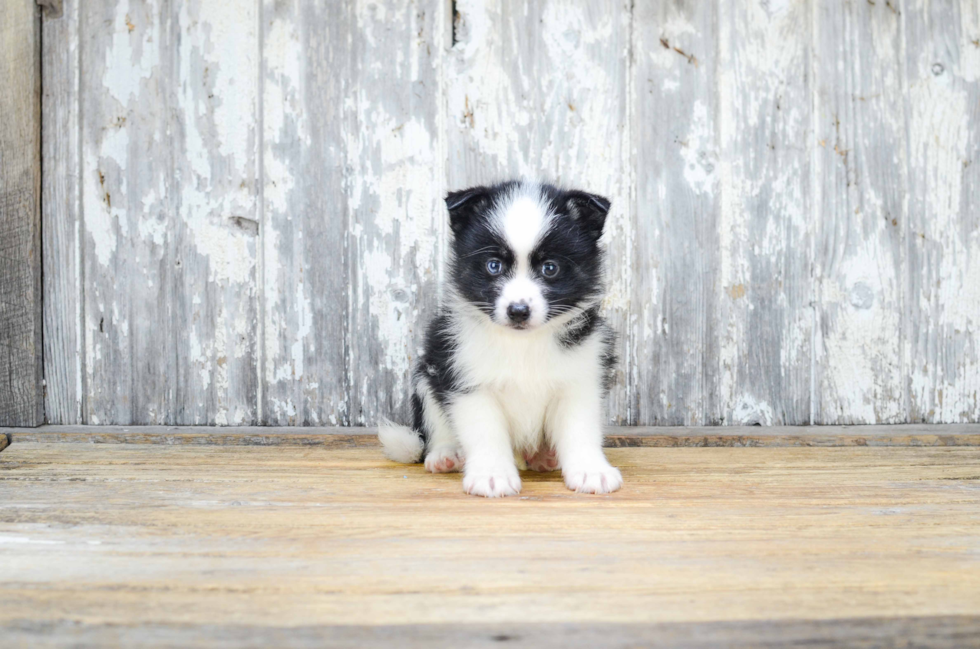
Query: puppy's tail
{"type": "Point", "coordinates": [400, 443]}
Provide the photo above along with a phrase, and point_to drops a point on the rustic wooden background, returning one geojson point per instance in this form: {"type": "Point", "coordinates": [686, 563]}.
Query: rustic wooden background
{"type": "Point", "coordinates": [242, 214]}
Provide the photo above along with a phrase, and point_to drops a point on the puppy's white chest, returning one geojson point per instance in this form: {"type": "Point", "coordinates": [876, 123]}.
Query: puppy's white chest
{"type": "Point", "coordinates": [525, 408]}
{"type": "Point", "coordinates": [524, 373]}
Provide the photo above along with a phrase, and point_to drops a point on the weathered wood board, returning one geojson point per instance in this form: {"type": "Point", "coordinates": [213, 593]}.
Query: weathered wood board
{"type": "Point", "coordinates": [758, 363]}
{"type": "Point", "coordinates": [243, 220]}
{"type": "Point", "coordinates": [943, 232]}
{"type": "Point", "coordinates": [674, 239]}
{"type": "Point", "coordinates": [220, 541]}
{"type": "Point", "coordinates": [21, 400]}
{"type": "Point", "coordinates": [305, 74]}
{"type": "Point", "coordinates": [615, 436]}
{"type": "Point", "coordinates": [938, 632]}
{"type": "Point", "coordinates": [861, 214]}
{"type": "Point", "coordinates": [397, 228]}
{"type": "Point", "coordinates": [61, 221]}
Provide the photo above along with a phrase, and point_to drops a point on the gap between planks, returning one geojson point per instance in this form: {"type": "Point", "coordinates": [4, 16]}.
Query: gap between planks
{"type": "Point", "coordinates": [942, 631]}
{"type": "Point", "coordinates": [616, 436]}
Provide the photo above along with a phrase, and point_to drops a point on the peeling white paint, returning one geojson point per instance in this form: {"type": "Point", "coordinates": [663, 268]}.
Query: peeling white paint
{"type": "Point", "coordinates": [416, 113]}
{"type": "Point", "coordinates": [133, 54]}
{"type": "Point", "coordinates": [750, 411]}
{"type": "Point", "coordinates": [945, 367]}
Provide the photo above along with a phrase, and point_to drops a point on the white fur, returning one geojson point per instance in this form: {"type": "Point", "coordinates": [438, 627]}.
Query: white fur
{"type": "Point", "coordinates": [399, 443]}
{"type": "Point", "coordinates": [522, 289]}
{"type": "Point", "coordinates": [528, 392]}
{"type": "Point", "coordinates": [523, 221]}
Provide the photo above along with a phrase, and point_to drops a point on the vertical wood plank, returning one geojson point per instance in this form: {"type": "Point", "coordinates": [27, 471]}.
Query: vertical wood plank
{"type": "Point", "coordinates": [61, 219]}
{"type": "Point", "coordinates": [860, 214]}
{"type": "Point", "coordinates": [676, 205]}
{"type": "Point", "coordinates": [304, 220]}
{"type": "Point", "coordinates": [859, 194]}
{"type": "Point", "coordinates": [215, 153]}
{"type": "Point", "coordinates": [396, 161]}
{"type": "Point", "coordinates": [759, 360]}
{"type": "Point", "coordinates": [943, 273]}
{"type": "Point", "coordinates": [21, 400]}
{"type": "Point", "coordinates": [539, 90]}
{"type": "Point", "coordinates": [128, 204]}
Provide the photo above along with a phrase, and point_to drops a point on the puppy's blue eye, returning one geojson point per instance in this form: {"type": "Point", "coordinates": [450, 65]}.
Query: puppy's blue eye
{"type": "Point", "coordinates": [494, 266]}
{"type": "Point", "coordinates": [549, 269]}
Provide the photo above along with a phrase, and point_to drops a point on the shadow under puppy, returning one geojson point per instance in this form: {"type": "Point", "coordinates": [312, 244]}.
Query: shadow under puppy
{"type": "Point", "coordinates": [518, 361]}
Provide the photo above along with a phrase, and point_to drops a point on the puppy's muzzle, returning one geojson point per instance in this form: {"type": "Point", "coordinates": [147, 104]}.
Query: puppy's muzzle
{"type": "Point", "coordinates": [518, 313]}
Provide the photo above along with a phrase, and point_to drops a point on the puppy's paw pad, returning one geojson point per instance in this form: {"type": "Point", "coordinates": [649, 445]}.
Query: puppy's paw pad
{"type": "Point", "coordinates": [492, 484]}
{"type": "Point", "coordinates": [445, 459]}
{"type": "Point", "coordinates": [600, 479]}
{"type": "Point", "coordinates": [544, 460]}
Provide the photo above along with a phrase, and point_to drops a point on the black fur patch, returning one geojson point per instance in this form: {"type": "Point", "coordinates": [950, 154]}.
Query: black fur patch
{"type": "Point", "coordinates": [473, 247]}
{"type": "Point", "coordinates": [609, 358]}
{"type": "Point", "coordinates": [435, 365]}
{"type": "Point", "coordinates": [579, 278]}
{"type": "Point", "coordinates": [581, 329]}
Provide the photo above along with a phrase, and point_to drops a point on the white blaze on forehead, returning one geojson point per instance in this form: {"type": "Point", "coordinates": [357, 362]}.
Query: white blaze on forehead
{"type": "Point", "coordinates": [524, 222]}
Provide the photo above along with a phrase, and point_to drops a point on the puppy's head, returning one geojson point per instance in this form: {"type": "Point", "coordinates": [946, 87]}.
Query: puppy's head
{"type": "Point", "coordinates": [524, 253]}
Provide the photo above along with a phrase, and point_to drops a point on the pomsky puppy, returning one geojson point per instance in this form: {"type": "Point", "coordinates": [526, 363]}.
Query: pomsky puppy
{"type": "Point", "coordinates": [516, 364]}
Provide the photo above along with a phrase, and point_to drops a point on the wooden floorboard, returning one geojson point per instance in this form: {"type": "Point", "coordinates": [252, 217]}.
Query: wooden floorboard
{"type": "Point", "coordinates": [246, 545]}
{"type": "Point", "coordinates": [942, 632]}
{"type": "Point", "coordinates": [638, 436]}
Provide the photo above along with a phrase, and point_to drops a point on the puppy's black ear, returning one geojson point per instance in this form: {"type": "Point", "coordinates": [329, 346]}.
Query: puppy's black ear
{"type": "Point", "coordinates": [588, 209]}
{"type": "Point", "coordinates": [464, 205]}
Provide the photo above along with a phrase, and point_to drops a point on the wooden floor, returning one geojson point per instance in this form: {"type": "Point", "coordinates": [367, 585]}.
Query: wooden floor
{"type": "Point", "coordinates": [231, 545]}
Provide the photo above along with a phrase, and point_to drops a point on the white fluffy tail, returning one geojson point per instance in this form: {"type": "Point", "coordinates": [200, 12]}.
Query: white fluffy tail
{"type": "Point", "coordinates": [400, 443]}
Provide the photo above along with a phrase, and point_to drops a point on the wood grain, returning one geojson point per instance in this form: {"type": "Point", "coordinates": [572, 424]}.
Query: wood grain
{"type": "Point", "coordinates": [615, 436]}
{"type": "Point", "coordinates": [21, 396]}
{"type": "Point", "coordinates": [61, 219]}
{"type": "Point", "coordinates": [675, 239]}
{"type": "Point", "coordinates": [256, 538]}
{"type": "Point", "coordinates": [243, 221]}
{"type": "Point", "coordinates": [861, 215]}
{"type": "Point", "coordinates": [941, 632]}
{"type": "Point", "coordinates": [215, 224]}
{"type": "Point", "coordinates": [396, 165]}
{"type": "Point", "coordinates": [129, 199]}
{"type": "Point", "coordinates": [304, 366]}
{"type": "Point", "coordinates": [943, 234]}
{"type": "Point", "coordinates": [759, 359]}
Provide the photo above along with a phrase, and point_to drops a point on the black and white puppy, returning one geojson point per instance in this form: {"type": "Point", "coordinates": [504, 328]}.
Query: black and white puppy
{"type": "Point", "coordinates": [516, 365]}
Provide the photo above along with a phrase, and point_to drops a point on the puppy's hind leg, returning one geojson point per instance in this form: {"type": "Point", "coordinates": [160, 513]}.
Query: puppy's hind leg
{"type": "Point", "coordinates": [442, 451]}
{"type": "Point", "coordinates": [545, 459]}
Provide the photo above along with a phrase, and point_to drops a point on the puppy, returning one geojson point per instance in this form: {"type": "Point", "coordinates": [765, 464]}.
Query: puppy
{"type": "Point", "coordinates": [516, 365]}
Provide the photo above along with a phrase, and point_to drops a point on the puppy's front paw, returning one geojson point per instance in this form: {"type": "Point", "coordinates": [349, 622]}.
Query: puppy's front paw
{"type": "Point", "coordinates": [593, 478]}
{"type": "Point", "coordinates": [444, 459]}
{"type": "Point", "coordinates": [492, 483]}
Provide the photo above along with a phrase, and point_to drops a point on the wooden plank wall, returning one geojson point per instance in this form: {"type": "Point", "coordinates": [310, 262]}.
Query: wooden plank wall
{"type": "Point", "coordinates": [243, 220]}
{"type": "Point", "coordinates": [20, 216]}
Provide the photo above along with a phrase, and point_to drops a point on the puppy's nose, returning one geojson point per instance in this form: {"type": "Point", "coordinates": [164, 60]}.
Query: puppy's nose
{"type": "Point", "coordinates": [518, 312]}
